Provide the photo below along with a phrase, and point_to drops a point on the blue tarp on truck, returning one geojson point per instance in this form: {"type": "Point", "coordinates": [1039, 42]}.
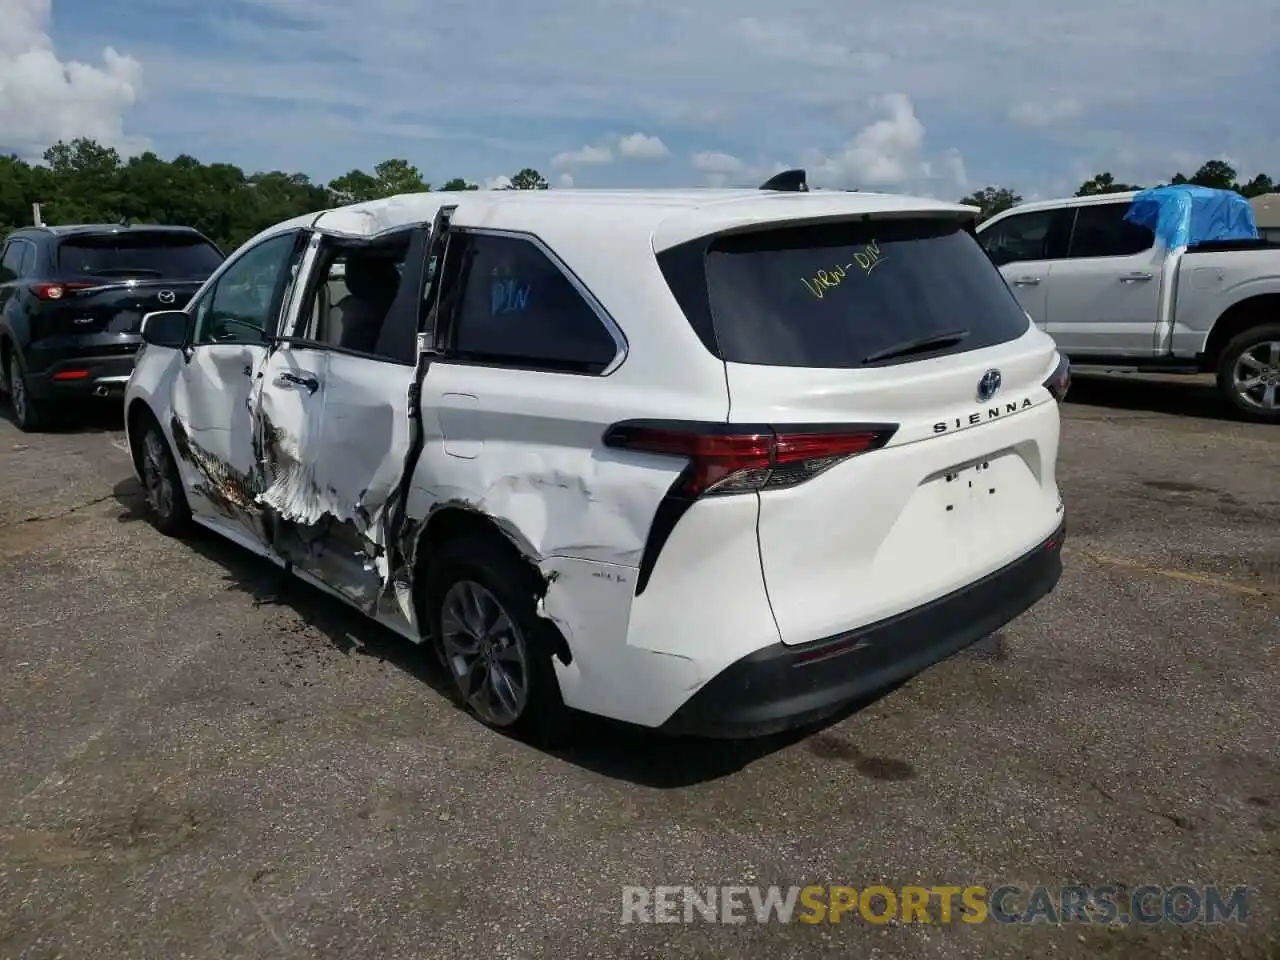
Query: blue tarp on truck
{"type": "Point", "coordinates": [1182, 215]}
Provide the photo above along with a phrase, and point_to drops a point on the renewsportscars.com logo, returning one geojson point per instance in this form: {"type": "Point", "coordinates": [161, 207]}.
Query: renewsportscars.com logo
{"type": "Point", "coordinates": [1108, 904]}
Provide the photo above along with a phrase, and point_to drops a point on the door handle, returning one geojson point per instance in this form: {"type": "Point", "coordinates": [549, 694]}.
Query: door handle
{"type": "Point", "coordinates": [1135, 277]}
{"type": "Point", "coordinates": [310, 384]}
{"type": "Point", "coordinates": [1026, 281]}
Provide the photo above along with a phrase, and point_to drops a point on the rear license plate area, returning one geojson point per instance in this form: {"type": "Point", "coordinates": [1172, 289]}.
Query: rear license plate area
{"type": "Point", "coordinates": [982, 505]}
{"type": "Point", "coordinates": [964, 487]}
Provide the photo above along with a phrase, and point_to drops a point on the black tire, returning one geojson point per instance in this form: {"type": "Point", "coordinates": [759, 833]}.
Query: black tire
{"type": "Point", "coordinates": [170, 514]}
{"type": "Point", "coordinates": [1240, 345]}
{"type": "Point", "coordinates": [28, 413]}
{"type": "Point", "coordinates": [493, 565]}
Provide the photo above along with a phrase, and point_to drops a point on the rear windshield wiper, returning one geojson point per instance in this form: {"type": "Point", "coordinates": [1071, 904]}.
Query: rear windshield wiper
{"type": "Point", "coordinates": [921, 344]}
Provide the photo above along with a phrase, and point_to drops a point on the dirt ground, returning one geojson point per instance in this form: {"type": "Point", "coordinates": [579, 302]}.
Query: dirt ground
{"type": "Point", "coordinates": [195, 763]}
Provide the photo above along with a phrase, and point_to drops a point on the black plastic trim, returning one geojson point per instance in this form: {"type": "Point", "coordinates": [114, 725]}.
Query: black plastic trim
{"type": "Point", "coordinates": [43, 386]}
{"type": "Point", "coordinates": [789, 181]}
{"type": "Point", "coordinates": [779, 687]}
{"type": "Point", "coordinates": [670, 510]}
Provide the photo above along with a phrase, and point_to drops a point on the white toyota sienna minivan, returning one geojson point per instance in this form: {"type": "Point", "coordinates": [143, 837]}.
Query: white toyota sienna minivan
{"type": "Point", "coordinates": [712, 461]}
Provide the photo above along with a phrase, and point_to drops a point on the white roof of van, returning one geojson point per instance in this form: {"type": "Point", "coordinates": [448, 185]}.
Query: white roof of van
{"type": "Point", "coordinates": [669, 217]}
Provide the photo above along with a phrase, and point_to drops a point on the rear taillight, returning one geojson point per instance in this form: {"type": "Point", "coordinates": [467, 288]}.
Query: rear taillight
{"type": "Point", "coordinates": [1059, 381]}
{"type": "Point", "coordinates": [727, 458]}
{"type": "Point", "coordinates": [56, 291]}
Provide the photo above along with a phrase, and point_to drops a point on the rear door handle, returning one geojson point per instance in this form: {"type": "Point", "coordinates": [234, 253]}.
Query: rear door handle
{"type": "Point", "coordinates": [310, 384]}
{"type": "Point", "coordinates": [1026, 281]}
{"type": "Point", "coordinates": [1135, 277]}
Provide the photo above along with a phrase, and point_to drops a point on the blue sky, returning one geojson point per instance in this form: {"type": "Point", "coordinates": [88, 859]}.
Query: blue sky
{"type": "Point", "coordinates": [924, 96]}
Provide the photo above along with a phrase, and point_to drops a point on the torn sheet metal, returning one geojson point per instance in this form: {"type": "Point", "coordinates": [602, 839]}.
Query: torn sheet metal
{"type": "Point", "coordinates": [378, 216]}
{"type": "Point", "coordinates": [289, 426]}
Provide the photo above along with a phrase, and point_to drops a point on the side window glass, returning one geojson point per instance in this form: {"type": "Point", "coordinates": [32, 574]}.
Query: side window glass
{"type": "Point", "coordinates": [518, 308]}
{"type": "Point", "coordinates": [1102, 231]}
{"type": "Point", "coordinates": [244, 303]}
{"type": "Point", "coordinates": [351, 304]}
{"type": "Point", "coordinates": [1025, 236]}
{"type": "Point", "coordinates": [27, 267]}
{"type": "Point", "coordinates": [11, 261]}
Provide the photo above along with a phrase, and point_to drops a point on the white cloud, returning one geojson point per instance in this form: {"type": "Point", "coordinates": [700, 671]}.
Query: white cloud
{"type": "Point", "coordinates": [885, 153]}
{"type": "Point", "coordinates": [1045, 113]}
{"type": "Point", "coordinates": [748, 77]}
{"type": "Point", "coordinates": [566, 181]}
{"type": "Point", "coordinates": [953, 164]}
{"type": "Point", "coordinates": [718, 164]}
{"type": "Point", "coordinates": [43, 99]}
{"type": "Point", "coordinates": [496, 183]}
{"type": "Point", "coordinates": [587, 156]}
{"type": "Point", "coordinates": [784, 41]}
{"type": "Point", "coordinates": [888, 153]}
{"type": "Point", "coordinates": [637, 146]}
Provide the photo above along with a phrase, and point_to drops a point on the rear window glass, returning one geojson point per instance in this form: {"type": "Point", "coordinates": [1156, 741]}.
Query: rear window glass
{"type": "Point", "coordinates": [838, 295]}
{"type": "Point", "coordinates": [139, 255]}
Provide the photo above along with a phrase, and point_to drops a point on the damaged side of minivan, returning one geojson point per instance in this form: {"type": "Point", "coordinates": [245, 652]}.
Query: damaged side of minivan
{"type": "Point", "coordinates": [429, 408]}
{"type": "Point", "coordinates": [378, 410]}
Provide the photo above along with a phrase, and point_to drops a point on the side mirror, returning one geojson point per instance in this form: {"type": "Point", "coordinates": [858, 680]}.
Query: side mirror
{"type": "Point", "coordinates": [166, 328]}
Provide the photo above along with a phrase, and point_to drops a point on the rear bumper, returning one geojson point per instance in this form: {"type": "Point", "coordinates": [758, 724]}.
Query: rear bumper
{"type": "Point", "coordinates": [779, 687]}
{"type": "Point", "coordinates": [89, 375]}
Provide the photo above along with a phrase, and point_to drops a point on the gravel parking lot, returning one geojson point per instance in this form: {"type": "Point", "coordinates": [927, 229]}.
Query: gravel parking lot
{"type": "Point", "coordinates": [197, 763]}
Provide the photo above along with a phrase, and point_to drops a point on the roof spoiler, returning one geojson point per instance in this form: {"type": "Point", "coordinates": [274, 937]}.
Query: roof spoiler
{"type": "Point", "coordinates": [790, 181]}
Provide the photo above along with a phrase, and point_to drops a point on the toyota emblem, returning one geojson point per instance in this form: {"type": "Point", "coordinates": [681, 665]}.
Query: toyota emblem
{"type": "Point", "coordinates": [166, 296]}
{"type": "Point", "coordinates": [989, 385]}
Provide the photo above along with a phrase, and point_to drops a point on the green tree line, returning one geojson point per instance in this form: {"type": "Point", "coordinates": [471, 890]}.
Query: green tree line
{"type": "Point", "coordinates": [82, 181]}
{"type": "Point", "coordinates": [1215, 173]}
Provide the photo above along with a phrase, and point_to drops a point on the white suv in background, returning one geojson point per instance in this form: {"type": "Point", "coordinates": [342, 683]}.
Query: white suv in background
{"type": "Point", "coordinates": [715, 462]}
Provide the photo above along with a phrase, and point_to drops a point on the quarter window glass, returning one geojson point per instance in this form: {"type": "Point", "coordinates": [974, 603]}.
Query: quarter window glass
{"type": "Point", "coordinates": [27, 267]}
{"type": "Point", "coordinates": [519, 308]}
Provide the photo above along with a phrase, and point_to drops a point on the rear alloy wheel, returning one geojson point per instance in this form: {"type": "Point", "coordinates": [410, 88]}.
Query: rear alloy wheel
{"type": "Point", "coordinates": [166, 500]}
{"type": "Point", "coordinates": [486, 653]}
{"type": "Point", "coordinates": [26, 411]}
{"type": "Point", "coordinates": [496, 649]}
{"type": "Point", "coordinates": [1249, 373]}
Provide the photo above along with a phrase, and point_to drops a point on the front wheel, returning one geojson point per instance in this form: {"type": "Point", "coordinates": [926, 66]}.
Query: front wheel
{"type": "Point", "coordinates": [495, 647]}
{"type": "Point", "coordinates": [1249, 373]}
{"type": "Point", "coordinates": [161, 483]}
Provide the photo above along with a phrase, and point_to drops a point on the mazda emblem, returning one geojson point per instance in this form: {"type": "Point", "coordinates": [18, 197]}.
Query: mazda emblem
{"type": "Point", "coordinates": [989, 385]}
{"type": "Point", "coordinates": [166, 296]}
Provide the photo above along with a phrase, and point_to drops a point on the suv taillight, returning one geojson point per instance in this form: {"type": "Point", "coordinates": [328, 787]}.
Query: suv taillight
{"type": "Point", "coordinates": [56, 291]}
{"type": "Point", "coordinates": [728, 458]}
{"type": "Point", "coordinates": [1059, 381]}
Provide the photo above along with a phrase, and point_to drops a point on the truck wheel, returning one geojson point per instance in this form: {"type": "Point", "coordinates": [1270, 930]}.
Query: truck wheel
{"type": "Point", "coordinates": [1249, 373]}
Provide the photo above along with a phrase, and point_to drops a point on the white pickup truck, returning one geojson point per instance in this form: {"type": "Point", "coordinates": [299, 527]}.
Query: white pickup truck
{"type": "Point", "coordinates": [1114, 295]}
